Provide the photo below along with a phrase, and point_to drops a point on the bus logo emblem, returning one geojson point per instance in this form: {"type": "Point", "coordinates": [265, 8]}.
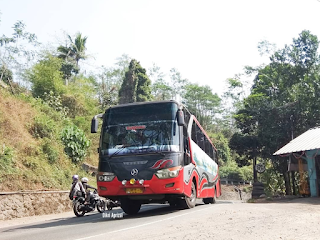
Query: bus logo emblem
{"type": "Point", "coordinates": [134, 172]}
{"type": "Point", "coordinates": [162, 164]}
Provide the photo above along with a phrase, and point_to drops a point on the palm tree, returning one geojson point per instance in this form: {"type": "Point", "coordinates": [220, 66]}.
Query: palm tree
{"type": "Point", "coordinates": [75, 50]}
{"type": "Point", "coordinates": [72, 53]}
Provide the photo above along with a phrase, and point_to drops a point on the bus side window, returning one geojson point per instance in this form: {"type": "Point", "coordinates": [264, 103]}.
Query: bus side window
{"type": "Point", "coordinates": [200, 138]}
{"type": "Point", "coordinates": [193, 132]}
{"type": "Point", "coordinates": [187, 159]}
{"type": "Point", "coordinates": [215, 157]}
{"type": "Point", "coordinates": [209, 149]}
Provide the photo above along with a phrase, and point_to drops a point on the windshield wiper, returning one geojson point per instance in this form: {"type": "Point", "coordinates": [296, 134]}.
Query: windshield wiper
{"type": "Point", "coordinates": [118, 151]}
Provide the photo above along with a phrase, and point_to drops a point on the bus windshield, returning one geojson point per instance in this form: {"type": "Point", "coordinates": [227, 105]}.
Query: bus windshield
{"type": "Point", "coordinates": [140, 129]}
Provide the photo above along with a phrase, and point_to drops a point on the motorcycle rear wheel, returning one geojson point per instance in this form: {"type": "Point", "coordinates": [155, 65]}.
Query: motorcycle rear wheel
{"type": "Point", "coordinates": [77, 211]}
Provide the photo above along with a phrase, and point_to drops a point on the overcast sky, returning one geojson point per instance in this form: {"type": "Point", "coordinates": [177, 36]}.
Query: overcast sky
{"type": "Point", "coordinates": [208, 41]}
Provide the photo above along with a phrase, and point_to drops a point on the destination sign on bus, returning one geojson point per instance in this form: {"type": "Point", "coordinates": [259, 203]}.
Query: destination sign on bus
{"type": "Point", "coordinates": [135, 127]}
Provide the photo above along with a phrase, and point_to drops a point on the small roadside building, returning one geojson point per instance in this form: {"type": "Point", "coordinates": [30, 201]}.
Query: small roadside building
{"type": "Point", "coordinates": [306, 149]}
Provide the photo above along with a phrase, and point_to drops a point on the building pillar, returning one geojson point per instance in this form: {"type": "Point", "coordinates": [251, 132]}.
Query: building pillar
{"type": "Point", "coordinates": [310, 157]}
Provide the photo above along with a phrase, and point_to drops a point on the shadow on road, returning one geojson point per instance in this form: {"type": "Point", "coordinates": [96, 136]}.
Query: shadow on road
{"type": "Point", "coordinates": [290, 199]}
{"type": "Point", "coordinates": [148, 210]}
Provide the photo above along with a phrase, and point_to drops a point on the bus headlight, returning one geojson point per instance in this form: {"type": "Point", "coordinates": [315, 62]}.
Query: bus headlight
{"type": "Point", "coordinates": [168, 173]}
{"type": "Point", "coordinates": [106, 177]}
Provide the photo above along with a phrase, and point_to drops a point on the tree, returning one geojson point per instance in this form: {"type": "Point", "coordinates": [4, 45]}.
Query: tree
{"type": "Point", "coordinates": [46, 77]}
{"type": "Point", "coordinates": [136, 85]}
{"type": "Point", "coordinates": [75, 49]}
{"type": "Point", "coordinates": [202, 103]}
{"type": "Point", "coordinates": [5, 75]}
{"type": "Point", "coordinates": [284, 98]}
{"type": "Point", "coordinates": [72, 53]}
{"type": "Point", "coordinates": [161, 90]}
{"type": "Point", "coordinates": [177, 84]}
{"type": "Point", "coordinates": [17, 52]}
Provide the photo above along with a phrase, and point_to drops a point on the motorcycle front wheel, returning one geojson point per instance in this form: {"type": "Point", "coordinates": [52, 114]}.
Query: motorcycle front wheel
{"type": "Point", "coordinates": [77, 209]}
{"type": "Point", "coordinates": [101, 206]}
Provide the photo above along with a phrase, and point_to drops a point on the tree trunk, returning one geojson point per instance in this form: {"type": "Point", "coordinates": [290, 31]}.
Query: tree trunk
{"type": "Point", "coordinates": [255, 176]}
{"type": "Point", "coordinates": [287, 182]}
{"type": "Point", "coordinates": [293, 183]}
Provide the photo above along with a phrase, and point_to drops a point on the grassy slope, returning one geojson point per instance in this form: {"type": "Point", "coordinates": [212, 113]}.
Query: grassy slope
{"type": "Point", "coordinates": [24, 165]}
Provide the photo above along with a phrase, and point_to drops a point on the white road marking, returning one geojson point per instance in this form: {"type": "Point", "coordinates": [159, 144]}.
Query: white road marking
{"type": "Point", "coordinates": [142, 225]}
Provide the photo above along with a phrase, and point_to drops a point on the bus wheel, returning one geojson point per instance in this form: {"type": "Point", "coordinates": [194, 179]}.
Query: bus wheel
{"type": "Point", "coordinates": [130, 207]}
{"type": "Point", "coordinates": [190, 202]}
{"type": "Point", "coordinates": [210, 200]}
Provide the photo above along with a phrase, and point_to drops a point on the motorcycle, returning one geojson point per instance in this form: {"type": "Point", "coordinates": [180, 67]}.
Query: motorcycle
{"type": "Point", "coordinates": [111, 204]}
{"type": "Point", "coordinates": [80, 208]}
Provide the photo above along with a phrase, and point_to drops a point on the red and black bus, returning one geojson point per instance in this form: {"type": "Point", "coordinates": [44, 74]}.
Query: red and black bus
{"type": "Point", "coordinates": [155, 152]}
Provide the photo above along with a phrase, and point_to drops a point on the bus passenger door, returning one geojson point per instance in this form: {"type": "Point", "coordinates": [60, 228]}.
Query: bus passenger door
{"type": "Point", "coordinates": [188, 167]}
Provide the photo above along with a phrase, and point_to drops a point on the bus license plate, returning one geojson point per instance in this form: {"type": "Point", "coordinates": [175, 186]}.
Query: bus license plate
{"type": "Point", "coordinates": [134, 190]}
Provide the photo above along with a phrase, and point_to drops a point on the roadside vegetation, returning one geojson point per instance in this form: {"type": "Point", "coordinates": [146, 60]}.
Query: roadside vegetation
{"type": "Point", "coordinates": [48, 97]}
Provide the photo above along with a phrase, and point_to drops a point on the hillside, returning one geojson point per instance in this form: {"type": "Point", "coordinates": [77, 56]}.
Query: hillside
{"type": "Point", "coordinates": [31, 152]}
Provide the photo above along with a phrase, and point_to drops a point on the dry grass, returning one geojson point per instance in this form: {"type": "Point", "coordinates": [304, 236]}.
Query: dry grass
{"type": "Point", "coordinates": [15, 116]}
{"type": "Point", "coordinates": [30, 167]}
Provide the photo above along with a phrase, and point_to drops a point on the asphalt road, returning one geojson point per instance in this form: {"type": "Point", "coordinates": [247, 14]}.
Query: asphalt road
{"type": "Point", "coordinates": [114, 225]}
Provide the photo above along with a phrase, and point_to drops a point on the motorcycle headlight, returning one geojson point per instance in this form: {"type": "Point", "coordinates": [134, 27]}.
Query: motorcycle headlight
{"type": "Point", "coordinates": [168, 173]}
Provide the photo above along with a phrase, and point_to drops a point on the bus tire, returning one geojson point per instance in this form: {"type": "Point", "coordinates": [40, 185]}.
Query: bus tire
{"type": "Point", "coordinates": [190, 202]}
{"type": "Point", "coordinates": [211, 200]}
{"type": "Point", "coordinates": [130, 207]}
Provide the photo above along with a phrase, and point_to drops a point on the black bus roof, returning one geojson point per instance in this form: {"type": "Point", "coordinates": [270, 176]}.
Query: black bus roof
{"type": "Point", "coordinates": [145, 103]}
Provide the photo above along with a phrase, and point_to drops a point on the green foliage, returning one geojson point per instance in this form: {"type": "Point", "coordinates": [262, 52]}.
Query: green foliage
{"type": "Point", "coordinates": [80, 98]}
{"type": "Point", "coordinates": [50, 151]}
{"type": "Point", "coordinates": [178, 84]}
{"type": "Point", "coordinates": [18, 51]}
{"type": "Point", "coordinates": [247, 189]}
{"type": "Point", "coordinates": [202, 103]}
{"type": "Point", "coordinates": [5, 74]}
{"type": "Point", "coordinates": [110, 82]}
{"type": "Point", "coordinates": [43, 127]}
{"type": "Point", "coordinates": [72, 53]}
{"type": "Point", "coordinates": [46, 77]}
{"type": "Point", "coordinates": [245, 145]}
{"type": "Point", "coordinates": [274, 181]}
{"type": "Point", "coordinates": [68, 69]}
{"type": "Point", "coordinates": [161, 90]}
{"type": "Point", "coordinates": [221, 143]}
{"type": "Point", "coordinates": [7, 162]}
{"type": "Point", "coordinates": [232, 171]}
{"type": "Point", "coordinates": [136, 86]}
{"type": "Point", "coordinates": [283, 103]}
{"type": "Point", "coordinates": [75, 142]}
{"type": "Point", "coordinates": [143, 87]}
{"type": "Point", "coordinates": [31, 163]}
{"type": "Point", "coordinates": [55, 102]}
{"type": "Point", "coordinates": [74, 105]}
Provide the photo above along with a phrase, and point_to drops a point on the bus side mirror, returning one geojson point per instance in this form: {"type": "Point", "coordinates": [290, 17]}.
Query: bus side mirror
{"type": "Point", "coordinates": [94, 125]}
{"type": "Point", "coordinates": [180, 117]}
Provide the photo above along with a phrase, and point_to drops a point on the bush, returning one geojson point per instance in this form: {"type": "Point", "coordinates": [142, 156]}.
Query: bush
{"type": "Point", "coordinates": [50, 151]}
{"type": "Point", "coordinates": [45, 77]}
{"type": "Point", "coordinates": [7, 163]}
{"type": "Point", "coordinates": [74, 105]}
{"type": "Point", "coordinates": [43, 127]}
{"type": "Point", "coordinates": [233, 171]}
{"type": "Point", "coordinates": [31, 163]}
{"type": "Point", "coordinates": [54, 101]}
{"type": "Point", "coordinates": [75, 142]}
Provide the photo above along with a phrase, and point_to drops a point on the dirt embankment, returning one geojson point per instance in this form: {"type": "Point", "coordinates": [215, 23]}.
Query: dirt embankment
{"type": "Point", "coordinates": [230, 192]}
